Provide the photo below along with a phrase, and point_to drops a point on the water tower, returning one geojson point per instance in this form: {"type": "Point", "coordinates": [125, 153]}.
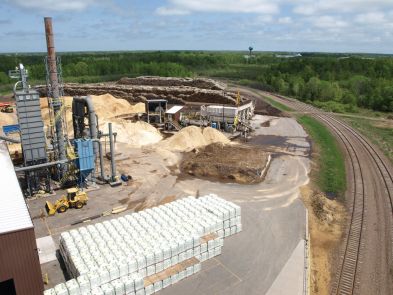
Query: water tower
{"type": "Point", "coordinates": [250, 48]}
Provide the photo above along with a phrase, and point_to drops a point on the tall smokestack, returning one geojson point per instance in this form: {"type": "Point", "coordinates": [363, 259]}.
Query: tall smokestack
{"type": "Point", "coordinates": [54, 86]}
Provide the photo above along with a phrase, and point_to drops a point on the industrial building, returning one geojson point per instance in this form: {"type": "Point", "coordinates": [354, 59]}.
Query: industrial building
{"type": "Point", "coordinates": [52, 158]}
{"type": "Point", "coordinates": [20, 271]}
{"type": "Point", "coordinates": [150, 246]}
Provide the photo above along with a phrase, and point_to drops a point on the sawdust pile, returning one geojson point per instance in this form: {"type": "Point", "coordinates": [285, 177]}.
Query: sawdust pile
{"type": "Point", "coordinates": [326, 220]}
{"type": "Point", "coordinates": [106, 106]}
{"type": "Point", "coordinates": [234, 163]}
{"type": "Point", "coordinates": [7, 119]}
{"type": "Point", "coordinates": [193, 137]}
{"type": "Point", "coordinates": [67, 101]}
{"type": "Point", "coordinates": [135, 134]}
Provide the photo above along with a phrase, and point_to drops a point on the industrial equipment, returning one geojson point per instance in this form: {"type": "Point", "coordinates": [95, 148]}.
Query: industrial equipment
{"type": "Point", "coordinates": [85, 160]}
{"type": "Point", "coordinates": [51, 155]}
{"type": "Point", "coordinates": [6, 108]}
{"type": "Point", "coordinates": [74, 199]}
{"type": "Point", "coordinates": [32, 136]}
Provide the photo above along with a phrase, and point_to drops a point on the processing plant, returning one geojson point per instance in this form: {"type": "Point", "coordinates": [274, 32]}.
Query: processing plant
{"type": "Point", "coordinates": [51, 158]}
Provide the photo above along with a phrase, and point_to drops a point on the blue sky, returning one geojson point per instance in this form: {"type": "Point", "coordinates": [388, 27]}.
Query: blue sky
{"type": "Point", "coordinates": [268, 25]}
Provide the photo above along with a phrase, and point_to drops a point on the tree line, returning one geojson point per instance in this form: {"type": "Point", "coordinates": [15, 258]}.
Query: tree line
{"type": "Point", "coordinates": [333, 81]}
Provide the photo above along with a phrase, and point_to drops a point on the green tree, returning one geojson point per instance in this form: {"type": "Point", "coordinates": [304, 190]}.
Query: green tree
{"type": "Point", "coordinates": [81, 69]}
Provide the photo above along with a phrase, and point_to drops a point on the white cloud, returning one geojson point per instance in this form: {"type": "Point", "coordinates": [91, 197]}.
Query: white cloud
{"type": "Point", "coordinates": [53, 5]}
{"type": "Point", "coordinates": [305, 9]}
{"type": "Point", "coordinates": [284, 20]}
{"type": "Point", "coordinates": [329, 22]}
{"type": "Point", "coordinates": [171, 11]}
{"type": "Point", "coordinates": [223, 6]}
{"type": "Point", "coordinates": [263, 19]}
{"type": "Point", "coordinates": [311, 7]}
{"type": "Point", "coordinates": [370, 18]}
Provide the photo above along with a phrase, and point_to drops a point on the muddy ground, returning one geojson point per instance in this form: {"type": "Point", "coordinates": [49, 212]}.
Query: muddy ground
{"type": "Point", "coordinates": [238, 163]}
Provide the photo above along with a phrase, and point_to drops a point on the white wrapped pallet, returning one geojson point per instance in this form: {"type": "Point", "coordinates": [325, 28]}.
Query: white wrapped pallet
{"type": "Point", "coordinates": [97, 291]}
{"type": "Point", "coordinates": [61, 289]}
{"type": "Point", "coordinates": [149, 289]}
{"type": "Point", "coordinates": [132, 264]}
{"type": "Point", "coordinates": [174, 278]}
{"type": "Point", "coordinates": [157, 238]}
{"type": "Point", "coordinates": [84, 284]}
{"type": "Point", "coordinates": [189, 271]}
{"type": "Point", "coordinates": [104, 275]}
{"type": "Point", "coordinates": [73, 287]}
{"type": "Point", "coordinates": [151, 269]}
{"type": "Point", "coordinates": [166, 282]}
{"type": "Point", "coordinates": [50, 292]}
{"type": "Point", "coordinates": [118, 285]}
{"type": "Point", "coordinates": [182, 275]}
{"type": "Point", "coordinates": [157, 286]}
{"type": "Point", "coordinates": [138, 282]}
{"type": "Point", "coordinates": [197, 267]}
{"type": "Point", "coordinates": [114, 272]}
{"type": "Point", "coordinates": [143, 272]}
{"type": "Point", "coordinates": [108, 289]}
{"type": "Point", "coordinates": [128, 282]}
{"type": "Point", "coordinates": [94, 279]}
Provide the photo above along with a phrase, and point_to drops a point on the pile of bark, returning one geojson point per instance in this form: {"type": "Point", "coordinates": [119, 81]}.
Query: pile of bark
{"type": "Point", "coordinates": [139, 93]}
{"type": "Point", "coordinates": [202, 83]}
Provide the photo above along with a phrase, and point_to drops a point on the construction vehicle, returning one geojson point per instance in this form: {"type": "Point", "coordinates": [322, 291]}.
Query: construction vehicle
{"type": "Point", "coordinates": [74, 199]}
{"type": "Point", "coordinates": [6, 108]}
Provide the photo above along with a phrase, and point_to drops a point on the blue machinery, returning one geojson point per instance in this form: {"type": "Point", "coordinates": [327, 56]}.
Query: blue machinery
{"type": "Point", "coordinates": [8, 129]}
{"type": "Point", "coordinates": [85, 162]}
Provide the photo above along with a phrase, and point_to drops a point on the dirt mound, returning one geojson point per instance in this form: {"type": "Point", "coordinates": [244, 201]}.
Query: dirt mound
{"type": "Point", "coordinates": [263, 108]}
{"type": "Point", "coordinates": [135, 134]}
{"type": "Point", "coordinates": [193, 137]}
{"type": "Point", "coordinates": [234, 163]}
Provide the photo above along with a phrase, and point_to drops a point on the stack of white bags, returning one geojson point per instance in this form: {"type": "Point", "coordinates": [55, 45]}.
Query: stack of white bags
{"type": "Point", "coordinates": [143, 252]}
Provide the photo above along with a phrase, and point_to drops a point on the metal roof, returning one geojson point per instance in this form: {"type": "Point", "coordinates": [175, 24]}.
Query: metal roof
{"type": "Point", "coordinates": [174, 109]}
{"type": "Point", "coordinates": [14, 214]}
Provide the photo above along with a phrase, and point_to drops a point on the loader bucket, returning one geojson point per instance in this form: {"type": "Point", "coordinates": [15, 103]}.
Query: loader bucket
{"type": "Point", "coordinates": [50, 208]}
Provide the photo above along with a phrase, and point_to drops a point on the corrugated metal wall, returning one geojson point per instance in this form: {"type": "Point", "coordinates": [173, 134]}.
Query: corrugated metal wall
{"type": "Point", "coordinates": [19, 261]}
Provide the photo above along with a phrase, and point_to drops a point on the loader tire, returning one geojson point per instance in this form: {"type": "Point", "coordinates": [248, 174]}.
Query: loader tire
{"type": "Point", "coordinates": [62, 209]}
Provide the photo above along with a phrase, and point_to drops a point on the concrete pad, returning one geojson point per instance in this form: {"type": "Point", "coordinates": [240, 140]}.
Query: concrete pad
{"type": "Point", "coordinates": [46, 249]}
{"type": "Point", "coordinates": [273, 216]}
{"type": "Point", "coordinates": [289, 281]}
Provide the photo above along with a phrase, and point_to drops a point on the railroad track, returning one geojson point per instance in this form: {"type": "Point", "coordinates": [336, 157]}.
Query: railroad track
{"type": "Point", "coordinates": [347, 280]}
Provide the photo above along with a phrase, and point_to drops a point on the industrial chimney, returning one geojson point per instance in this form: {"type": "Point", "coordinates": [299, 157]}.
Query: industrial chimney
{"type": "Point", "coordinates": [54, 89]}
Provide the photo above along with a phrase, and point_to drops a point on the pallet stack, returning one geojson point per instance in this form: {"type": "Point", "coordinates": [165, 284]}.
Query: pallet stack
{"type": "Point", "coordinates": [143, 252]}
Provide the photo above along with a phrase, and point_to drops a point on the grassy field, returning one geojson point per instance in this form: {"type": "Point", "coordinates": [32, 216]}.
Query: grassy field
{"type": "Point", "coordinates": [380, 132]}
{"type": "Point", "coordinates": [330, 176]}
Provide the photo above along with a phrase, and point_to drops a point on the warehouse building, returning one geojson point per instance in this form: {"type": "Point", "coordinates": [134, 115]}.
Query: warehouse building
{"type": "Point", "coordinates": [20, 271]}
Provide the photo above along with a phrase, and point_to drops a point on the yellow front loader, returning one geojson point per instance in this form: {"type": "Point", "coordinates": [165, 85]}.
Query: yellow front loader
{"type": "Point", "coordinates": [74, 199]}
